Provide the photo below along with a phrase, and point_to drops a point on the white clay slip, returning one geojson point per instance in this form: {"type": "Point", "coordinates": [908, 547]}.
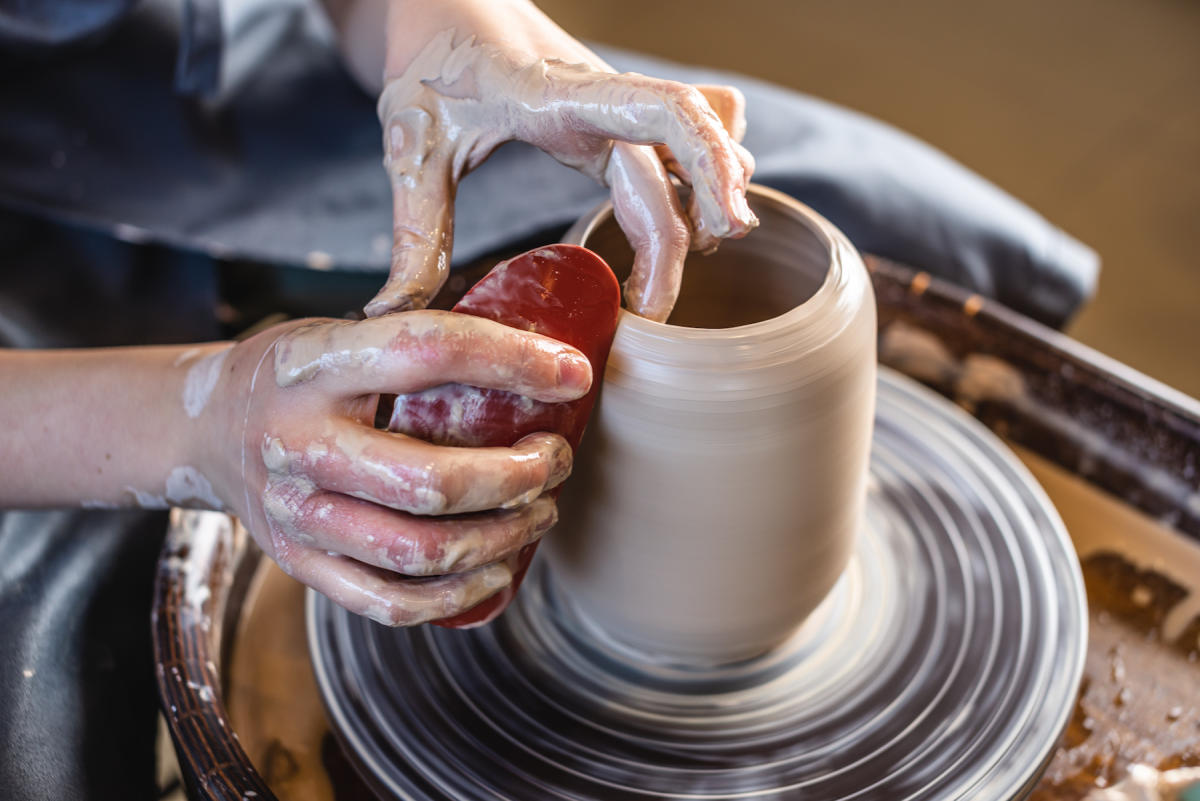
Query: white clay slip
{"type": "Point", "coordinates": [201, 380]}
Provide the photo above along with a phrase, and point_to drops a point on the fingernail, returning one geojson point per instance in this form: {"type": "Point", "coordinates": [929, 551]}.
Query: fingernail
{"type": "Point", "coordinates": [495, 576]}
{"type": "Point", "coordinates": [574, 371]}
{"type": "Point", "coordinates": [388, 300]}
{"type": "Point", "coordinates": [748, 218]}
{"type": "Point", "coordinates": [524, 499]}
{"type": "Point", "coordinates": [561, 459]}
{"type": "Point", "coordinates": [395, 138]}
{"type": "Point", "coordinates": [651, 309]}
{"type": "Point", "coordinates": [548, 517]}
{"type": "Point", "coordinates": [556, 450]}
{"type": "Point", "coordinates": [378, 305]}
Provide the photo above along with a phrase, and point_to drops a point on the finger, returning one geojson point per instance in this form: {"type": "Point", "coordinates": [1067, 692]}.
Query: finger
{"type": "Point", "coordinates": [704, 238]}
{"type": "Point", "coordinates": [423, 188]}
{"type": "Point", "coordinates": [414, 476]}
{"type": "Point", "coordinates": [409, 352]}
{"type": "Point", "coordinates": [648, 211]}
{"type": "Point", "coordinates": [389, 598]}
{"type": "Point", "coordinates": [492, 608]}
{"type": "Point", "coordinates": [419, 546]}
{"type": "Point", "coordinates": [729, 104]}
{"type": "Point", "coordinates": [747, 160]}
{"type": "Point", "coordinates": [675, 168]}
{"type": "Point", "coordinates": [640, 110]}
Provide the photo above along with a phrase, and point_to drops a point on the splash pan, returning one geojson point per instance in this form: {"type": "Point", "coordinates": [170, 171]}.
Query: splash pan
{"type": "Point", "coordinates": [943, 665]}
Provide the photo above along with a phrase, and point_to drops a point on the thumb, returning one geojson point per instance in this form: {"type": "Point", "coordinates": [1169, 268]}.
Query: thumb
{"type": "Point", "coordinates": [423, 189]}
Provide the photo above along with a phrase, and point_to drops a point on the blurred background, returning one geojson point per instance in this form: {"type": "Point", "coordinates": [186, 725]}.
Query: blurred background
{"type": "Point", "coordinates": [1087, 110]}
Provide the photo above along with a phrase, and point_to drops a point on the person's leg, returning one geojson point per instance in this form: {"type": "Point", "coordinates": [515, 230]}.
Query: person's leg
{"type": "Point", "coordinates": [77, 700]}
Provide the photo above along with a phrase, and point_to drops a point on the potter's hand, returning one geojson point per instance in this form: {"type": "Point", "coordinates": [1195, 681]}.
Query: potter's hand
{"type": "Point", "coordinates": [464, 76]}
{"type": "Point", "coordinates": [387, 526]}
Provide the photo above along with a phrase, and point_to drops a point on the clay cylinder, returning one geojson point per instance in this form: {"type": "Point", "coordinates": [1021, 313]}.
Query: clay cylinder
{"type": "Point", "coordinates": [716, 499]}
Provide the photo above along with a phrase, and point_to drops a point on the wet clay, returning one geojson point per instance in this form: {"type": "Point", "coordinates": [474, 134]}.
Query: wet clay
{"type": "Point", "coordinates": [462, 97]}
{"type": "Point", "coordinates": [716, 499]}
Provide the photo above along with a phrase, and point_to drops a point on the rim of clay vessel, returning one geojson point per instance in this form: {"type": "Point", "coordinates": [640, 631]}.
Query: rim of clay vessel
{"type": "Point", "coordinates": [685, 362]}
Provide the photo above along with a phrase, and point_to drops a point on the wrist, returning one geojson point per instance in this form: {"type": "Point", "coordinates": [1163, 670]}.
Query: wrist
{"type": "Point", "coordinates": [203, 469]}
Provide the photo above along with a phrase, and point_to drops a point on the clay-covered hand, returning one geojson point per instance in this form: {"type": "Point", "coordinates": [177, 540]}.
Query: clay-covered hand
{"type": "Point", "coordinates": [464, 76]}
{"type": "Point", "coordinates": [388, 526]}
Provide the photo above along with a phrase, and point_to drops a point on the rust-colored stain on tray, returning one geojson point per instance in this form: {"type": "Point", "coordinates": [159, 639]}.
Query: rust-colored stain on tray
{"type": "Point", "coordinates": [1137, 702]}
{"type": "Point", "coordinates": [1138, 699]}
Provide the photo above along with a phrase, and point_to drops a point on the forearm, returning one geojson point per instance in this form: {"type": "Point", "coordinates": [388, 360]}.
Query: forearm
{"type": "Point", "coordinates": [106, 427]}
{"type": "Point", "coordinates": [360, 26]}
{"type": "Point", "coordinates": [378, 37]}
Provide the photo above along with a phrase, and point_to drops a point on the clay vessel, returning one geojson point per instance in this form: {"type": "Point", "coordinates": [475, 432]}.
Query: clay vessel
{"type": "Point", "coordinates": [722, 481]}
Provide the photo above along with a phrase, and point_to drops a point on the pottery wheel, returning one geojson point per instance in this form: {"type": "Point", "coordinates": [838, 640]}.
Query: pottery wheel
{"type": "Point", "coordinates": [943, 665]}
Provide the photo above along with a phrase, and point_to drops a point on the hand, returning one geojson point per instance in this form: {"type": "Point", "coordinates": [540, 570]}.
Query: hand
{"type": "Point", "coordinates": [464, 76]}
{"type": "Point", "coordinates": [387, 526]}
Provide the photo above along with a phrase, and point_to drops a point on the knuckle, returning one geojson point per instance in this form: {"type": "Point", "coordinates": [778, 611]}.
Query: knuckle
{"type": "Point", "coordinates": [428, 338]}
{"type": "Point", "coordinates": [395, 609]}
{"type": "Point", "coordinates": [276, 456]}
{"type": "Point", "coordinates": [283, 503]}
{"type": "Point", "coordinates": [689, 100]}
{"type": "Point", "coordinates": [408, 144]}
{"type": "Point", "coordinates": [399, 551]}
{"type": "Point", "coordinates": [407, 238]}
{"type": "Point", "coordinates": [437, 498]}
{"type": "Point", "coordinates": [286, 565]}
{"type": "Point", "coordinates": [313, 511]}
{"type": "Point", "coordinates": [465, 547]}
{"type": "Point", "coordinates": [727, 101]}
{"type": "Point", "coordinates": [410, 555]}
{"type": "Point", "coordinates": [519, 498]}
{"type": "Point", "coordinates": [392, 615]}
{"type": "Point", "coordinates": [537, 361]}
{"type": "Point", "coordinates": [438, 492]}
{"type": "Point", "coordinates": [518, 360]}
